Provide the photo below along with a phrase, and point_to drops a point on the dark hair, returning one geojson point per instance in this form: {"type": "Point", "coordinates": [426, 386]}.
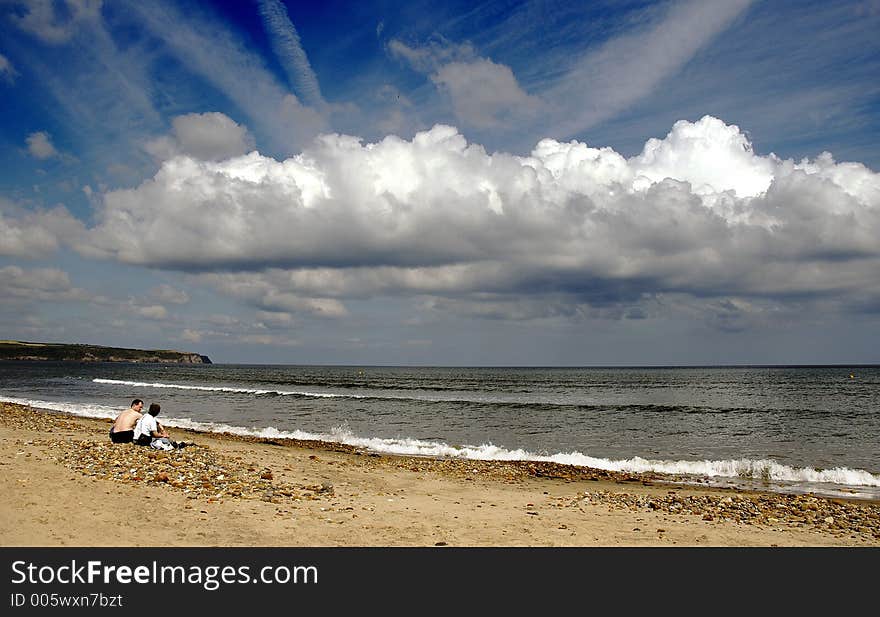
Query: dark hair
{"type": "Point", "coordinates": [154, 409]}
{"type": "Point", "coordinates": [136, 401]}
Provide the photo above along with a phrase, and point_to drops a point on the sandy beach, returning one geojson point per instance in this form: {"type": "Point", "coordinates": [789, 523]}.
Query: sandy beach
{"type": "Point", "coordinates": [65, 484]}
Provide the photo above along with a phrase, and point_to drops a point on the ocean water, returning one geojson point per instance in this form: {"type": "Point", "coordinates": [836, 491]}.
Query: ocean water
{"type": "Point", "coordinates": [790, 429]}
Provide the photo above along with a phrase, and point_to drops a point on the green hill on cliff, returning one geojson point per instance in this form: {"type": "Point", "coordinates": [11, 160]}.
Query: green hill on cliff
{"type": "Point", "coordinates": [22, 350]}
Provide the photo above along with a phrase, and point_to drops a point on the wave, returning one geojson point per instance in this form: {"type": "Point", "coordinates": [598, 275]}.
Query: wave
{"type": "Point", "coordinates": [144, 384]}
{"type": "Point", "coordinates": [76, 409]}
{"type": "Point", "coordinates": [493, 401]}
{"type": "Point", "coordinates": [764, 470]}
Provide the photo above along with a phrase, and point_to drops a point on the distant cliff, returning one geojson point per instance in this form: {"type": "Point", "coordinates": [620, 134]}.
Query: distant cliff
{"type": "Point", "coordinates": [21, 350]}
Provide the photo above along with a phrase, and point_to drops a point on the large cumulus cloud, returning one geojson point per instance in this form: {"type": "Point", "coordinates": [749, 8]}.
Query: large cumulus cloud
{"type": "Point", "coordinates": [697, 213]}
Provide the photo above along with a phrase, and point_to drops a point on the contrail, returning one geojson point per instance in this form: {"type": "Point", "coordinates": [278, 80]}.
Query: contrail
{"type": "Point", "coordinates": [646, 58]}
{"type": "Point", "coordinates": [286, 45]}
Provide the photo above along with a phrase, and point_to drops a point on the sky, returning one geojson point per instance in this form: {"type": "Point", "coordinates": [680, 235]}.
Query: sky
{"type": "Point", "coordinates": [688, 182]}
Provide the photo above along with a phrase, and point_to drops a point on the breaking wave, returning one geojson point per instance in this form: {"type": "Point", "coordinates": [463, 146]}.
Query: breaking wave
{"type": "Point", "coordinates": [766, 470]}
{"type": "Point", "coordinates": [458, 397]}
{"type": "Point", "coordinates": [145, 384]}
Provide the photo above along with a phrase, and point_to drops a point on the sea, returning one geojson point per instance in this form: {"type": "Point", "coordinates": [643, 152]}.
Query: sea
{"type": "Point", "coordinates": [793, 429]}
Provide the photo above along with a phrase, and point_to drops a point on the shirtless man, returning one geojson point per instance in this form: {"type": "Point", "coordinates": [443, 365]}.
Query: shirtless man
{"type": "Point", "coordinates": [122, 430]}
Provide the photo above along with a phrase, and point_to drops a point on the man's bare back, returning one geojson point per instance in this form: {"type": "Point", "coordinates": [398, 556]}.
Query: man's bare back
{"type": "Point", "coordinates": [128, 418]}
{"type": "Point", "coordinates": [126, 421]}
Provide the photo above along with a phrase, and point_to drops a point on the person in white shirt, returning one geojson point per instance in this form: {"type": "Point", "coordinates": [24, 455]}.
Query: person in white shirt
{"type": "Point", "coordinates": [148, 428]}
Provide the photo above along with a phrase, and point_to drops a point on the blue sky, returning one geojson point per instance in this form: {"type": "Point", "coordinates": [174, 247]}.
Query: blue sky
{"type": "Point", "coordinates": [501, 183]}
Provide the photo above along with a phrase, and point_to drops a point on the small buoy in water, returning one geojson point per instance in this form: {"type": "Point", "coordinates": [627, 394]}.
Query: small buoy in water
{"type": "Point", "coordinates": [851, 376]}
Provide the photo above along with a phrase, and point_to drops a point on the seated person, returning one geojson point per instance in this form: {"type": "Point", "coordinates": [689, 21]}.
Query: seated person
{"type": "Point", "coordinates": [147, 430]}
{"type": "Point", "coordinates": [122, 430]}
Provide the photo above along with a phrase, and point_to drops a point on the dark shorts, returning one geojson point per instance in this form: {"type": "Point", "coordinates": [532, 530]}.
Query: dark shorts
{"type": "Point", "coordinates": [143, 440]}
{"type": "Point", "coordinates": [121, 436]}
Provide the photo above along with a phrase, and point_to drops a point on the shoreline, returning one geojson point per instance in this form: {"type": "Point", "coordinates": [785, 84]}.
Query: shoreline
{"type": "Point", "coordinates": [67, 485]}
{"type": "Point", "coordinates": [691, 473]}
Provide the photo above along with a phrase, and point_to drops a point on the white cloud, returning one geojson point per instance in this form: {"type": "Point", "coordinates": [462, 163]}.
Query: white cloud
{"type": "Point", "coordinates": [580, 91]}
{"type": "Point", "coordinates": [274, 299]}
{"type": "Point", "coordinates": [209, 136]}
{"type": "Point", "coordinates": [55, 21]}
{"type": "Point", "coordinates": [228, 329]}
{"type": "Point", "coordinates": [21, 239]}
{"type": "Point", "coordinates": [607, 80]}
{"type": "Point", "coordinates": [267, 330]}
{"type": "Point", "coordinates": [692, 151]}
{"type": "Point", "coordinates": [40, 145]}
{"type": "Point", "coordinates": [288, 48]}
{"type": "Point", "coordinates": [433, 55]}
{"type": "Point", "coordinates": [697, 212]}
{"type": "Point", "coordinates": [192, 336]}
{"type": "Point", "coordinates": [267, 339]}
{"type": "Point", "coordinates": [258, 339]}
{"type": "Point", "coordinates": [223, 321]}
{"type": "Point", "coordinates": [275, 319]}
{"type": "Point", "coordinates": [155, 311]}
{"type": "Point", "coordinates": [7, 71]}
{"type": "Point", "coordinates": [484, 93]}
{"type": "Point", "coordinates": [216, 53]}
{"type": "Point", "coordinates": [297, 123]}
{"type": "Point", "coordinates": [169, 294]}
{"type": "Point", "coordinates": [104, 87]}
{"type": "Point", "coordinates": [38, 284]}
{"type": "Point", "coordinates": [33, 234]}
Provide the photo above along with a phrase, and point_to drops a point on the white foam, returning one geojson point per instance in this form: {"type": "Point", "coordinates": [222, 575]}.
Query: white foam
{"type": "Point", "coordinates": [305, 393]}
{"type": "Point", "coordinates": [144, 384]}
{"type": "Point", "coordinates": [741, 468]}
{"type": "Point", "coordinates": [764, 469]}
{"type": "Point", "coordinates": [77, 409]}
